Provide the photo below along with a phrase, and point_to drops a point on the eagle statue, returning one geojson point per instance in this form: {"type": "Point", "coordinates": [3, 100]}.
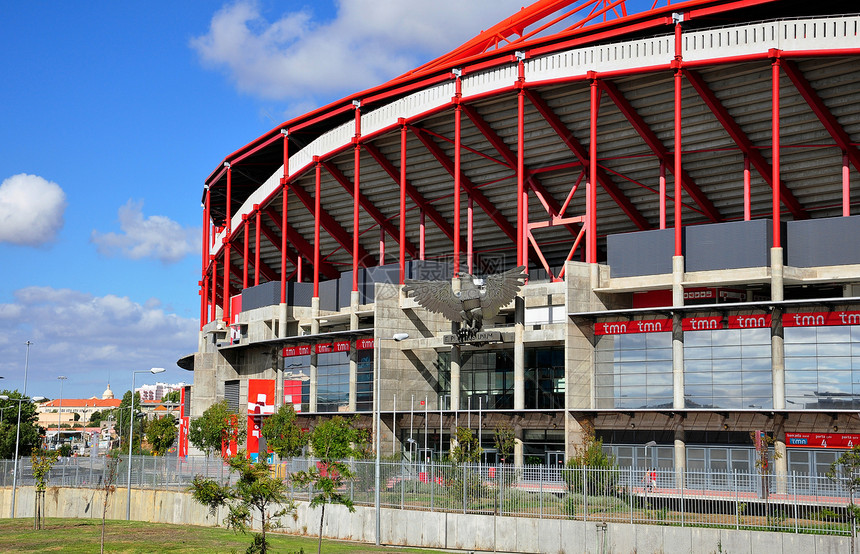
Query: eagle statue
{"type": "Point", "coordinates": [476, 299]}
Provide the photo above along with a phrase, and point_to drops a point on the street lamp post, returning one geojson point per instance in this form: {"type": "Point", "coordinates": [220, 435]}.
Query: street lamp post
{"type": "Point", "coordinates": [378, 422]}
{"type": "Point", "coordinates": [18, 428]}
{"type": "Point", "coordinates": [648, 469]}
{"type": "Point", "coordinates": [60, 409]}
{"type": "Point", "coordinates": [130, 437]}
{"type": "Point", "coordinates": [17, 441]}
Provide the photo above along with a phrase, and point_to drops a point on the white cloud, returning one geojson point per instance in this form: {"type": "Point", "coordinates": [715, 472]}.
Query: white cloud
{"type": "Point", "coordinates": [87, 338]}
{"type": "Point", "coordinates": [365, 44]}
{"type": "Point", "coordinates": [31, 210]}
{"type": "Point", "coordinates": [155, 236]}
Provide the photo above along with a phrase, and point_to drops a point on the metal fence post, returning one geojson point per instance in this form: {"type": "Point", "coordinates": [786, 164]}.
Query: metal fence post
{"type": "Point", "coordinates": [540, 492]}
{"type": "Point", "coordinates": [584, 494]}
{"type": "Point", "coordinates": [432, 482]}
{"type": "Point", "coordinates": [794, 486]}
{"type": "Point", "coordinates": [630, 491]}
{"type": "Point", "coordinates": [737, 502]}
{"type": "Point", "coordinates": [465, 486]}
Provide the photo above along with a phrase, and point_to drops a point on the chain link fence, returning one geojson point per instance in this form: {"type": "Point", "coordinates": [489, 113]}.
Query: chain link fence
{"type": "Point", "coordinates": [789, 503]}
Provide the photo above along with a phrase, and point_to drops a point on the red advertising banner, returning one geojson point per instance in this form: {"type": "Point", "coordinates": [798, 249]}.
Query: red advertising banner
{"type": "Point", "coordinates": [821, 440]}
{"type": "Point", "coordinates": [817, 319]}
{"type": "Point", "coordinates": [364, 344]}
{"type": "Point", "coordinates": [235, 308]}
{"type": "Point", "coordinates": [757, 321]}
{"type": "Point", "coordinates": [342, 346]}
{"type": "Point", "coordinates": [184, 421]}
{"type": "Point", "coordinates": [323, 348]}
{"type": "Point", "coordinates": [261, 403]}
{"type": "Point", "coordinates": [629, 327]}
{"type": "Point", "coordinates": [290, 351]}
{"type": "Point", "coordinates": [702, 323]}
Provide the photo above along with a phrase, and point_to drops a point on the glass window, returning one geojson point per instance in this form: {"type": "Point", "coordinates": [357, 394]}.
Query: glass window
{"type": "Point", "coordinates": [641, 367]}
{"type": "Point", "coordinates": [732, 372]}
{"type": "Point", "coordinates": [821, 366]}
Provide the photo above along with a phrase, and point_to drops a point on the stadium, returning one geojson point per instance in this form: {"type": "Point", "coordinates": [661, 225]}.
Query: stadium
{"type": "Point", "coordinates": [677, 183]}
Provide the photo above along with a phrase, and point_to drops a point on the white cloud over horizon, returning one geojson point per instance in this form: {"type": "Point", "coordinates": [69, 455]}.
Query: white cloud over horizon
{"type": "Point", "coordinates": [155, 236]}
{"type": "Point", "coordinates": [31, 210]}
{"type": "Point", "coordinates": [88, 339]}
{"type": "Point", "coordinates": [368, 42]}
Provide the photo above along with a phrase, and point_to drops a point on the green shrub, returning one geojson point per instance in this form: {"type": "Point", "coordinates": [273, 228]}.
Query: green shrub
{"type": "Point", "coordinates": [592, 470]}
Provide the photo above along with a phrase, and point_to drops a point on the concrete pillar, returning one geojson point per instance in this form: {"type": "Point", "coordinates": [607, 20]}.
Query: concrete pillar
{"type": "Point", "coordinates": [282, 321]}
{"type": "Point", "coordinates": [315, 329]}
{"type": "Point", "coordinates": [677, 334]}
{"type": "Point", "coordinates": [519, 355]}
{"type": "Point", "coordinates": [455, 378]}
{"type": "Point", "coordinates": [780, 462]}
{"type": "Point", "coordinates": [353, 363]}
{"type": "Point", "coordinates": [777, 340]}
{"type": "Point", "coordinates": [680, 455]}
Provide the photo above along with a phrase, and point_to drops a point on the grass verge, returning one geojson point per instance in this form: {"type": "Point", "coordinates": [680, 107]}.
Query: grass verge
{"type": "Point", "coordinates": [82, 535]}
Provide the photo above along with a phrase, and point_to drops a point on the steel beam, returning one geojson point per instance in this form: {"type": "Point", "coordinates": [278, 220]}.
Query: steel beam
{"type": "Point", "coordinates": [423, 204]}
{"type": "Point", "coordinates": [762, 166]}
{"type": "Point", "coordinates": [821, 111]}
{"type": "Point", "coordinates": [656, 145]}
{"type": "Point", "coordinates": [333, 228]}
{"type": "Point", "coordinates": [467, 184]}
{"type": "Point", "coordinates": [579, 151]}
{"type": "Point", "coordinates": [305, 249]}
{"type": "Point", "coordinates": [368, 206]}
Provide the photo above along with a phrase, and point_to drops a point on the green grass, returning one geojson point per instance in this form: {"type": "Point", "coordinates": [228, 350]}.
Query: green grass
{"type": "Point", "coordinates": [83, 535]}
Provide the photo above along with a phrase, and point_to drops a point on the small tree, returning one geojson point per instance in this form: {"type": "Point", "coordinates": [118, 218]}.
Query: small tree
{"type": "Point", "coordinates": [467, 450]}
{"type": "Point", "coordinates": [108, 488]}
{"type": "Point", "coordinates": [592, 470]}
{"type": "Point", "coordinates": [282, 433]}
{"type": "Point", "coordinates": [763, 442]}
{"type": "Point", "coordinates": [255, 489]}
{"type": "Point", "coordinates": [332, 441]}
{"type": "Point", "coordinates": [846, 472]}
{"type": "Point", "coordinates": [161, 433]}
{"type": "Point", "coordinates": [211, 429]}
{"type": "Point", "coordinates": [505, 440]}
{"type": "Point", "coordinates": [42, 462]}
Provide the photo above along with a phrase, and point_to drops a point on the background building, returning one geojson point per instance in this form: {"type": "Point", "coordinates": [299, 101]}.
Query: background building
{"type": "Point", "coordinates": [157, 391]}
{"type": "Point", "coordinates": [678, 183]}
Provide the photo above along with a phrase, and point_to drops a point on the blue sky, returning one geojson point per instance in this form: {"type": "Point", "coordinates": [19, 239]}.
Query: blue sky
{"type": "Point", "coordinates": [114, 113]}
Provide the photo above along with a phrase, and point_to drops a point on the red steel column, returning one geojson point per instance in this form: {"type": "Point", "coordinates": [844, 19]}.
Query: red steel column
{"type": "Point", "coordinates": [678, 167]}
{"type": "Point", "coordinates": [257, 245]}
{"type": "Point", "coordinates": [846, 186]}
{"type": "Point", "coordinates": [421, 232]}
{"type": "Point", "coordinates": [457, 145]}
{"type": "Point", "coordinates": [214, 305]}
{"type": "Point", "coordinates": [228, 228]}
{"type": "Point", "coordinates": [381, 246]}
{"type": "Point", "coordinates": [747, 189]}
{"type": "Point", "coordinates": [247, 226]}
{"type": "Point", "coordinates": [775, 70]}
{"type": "Point", "coordinates": [470, 230]}
{"type": "Point", "coordinates": [204, 299]}
{"type": "Point", "coordinates": [355, 203]}
{"type": "Point", "coordinates": [317, 187]}
{"type": "Point", "coordinates": [205, 261]}
{"type": "Point", "coordinates": [402, 236]}
{"type": "Point", "coordinates": [591, 186]}
{"type": "Point", "coordinates": [285, 201]}
{"type": "Point", "coordinates": [662, 195]}
{"type": "Point", "coordinates": [521, 164]}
